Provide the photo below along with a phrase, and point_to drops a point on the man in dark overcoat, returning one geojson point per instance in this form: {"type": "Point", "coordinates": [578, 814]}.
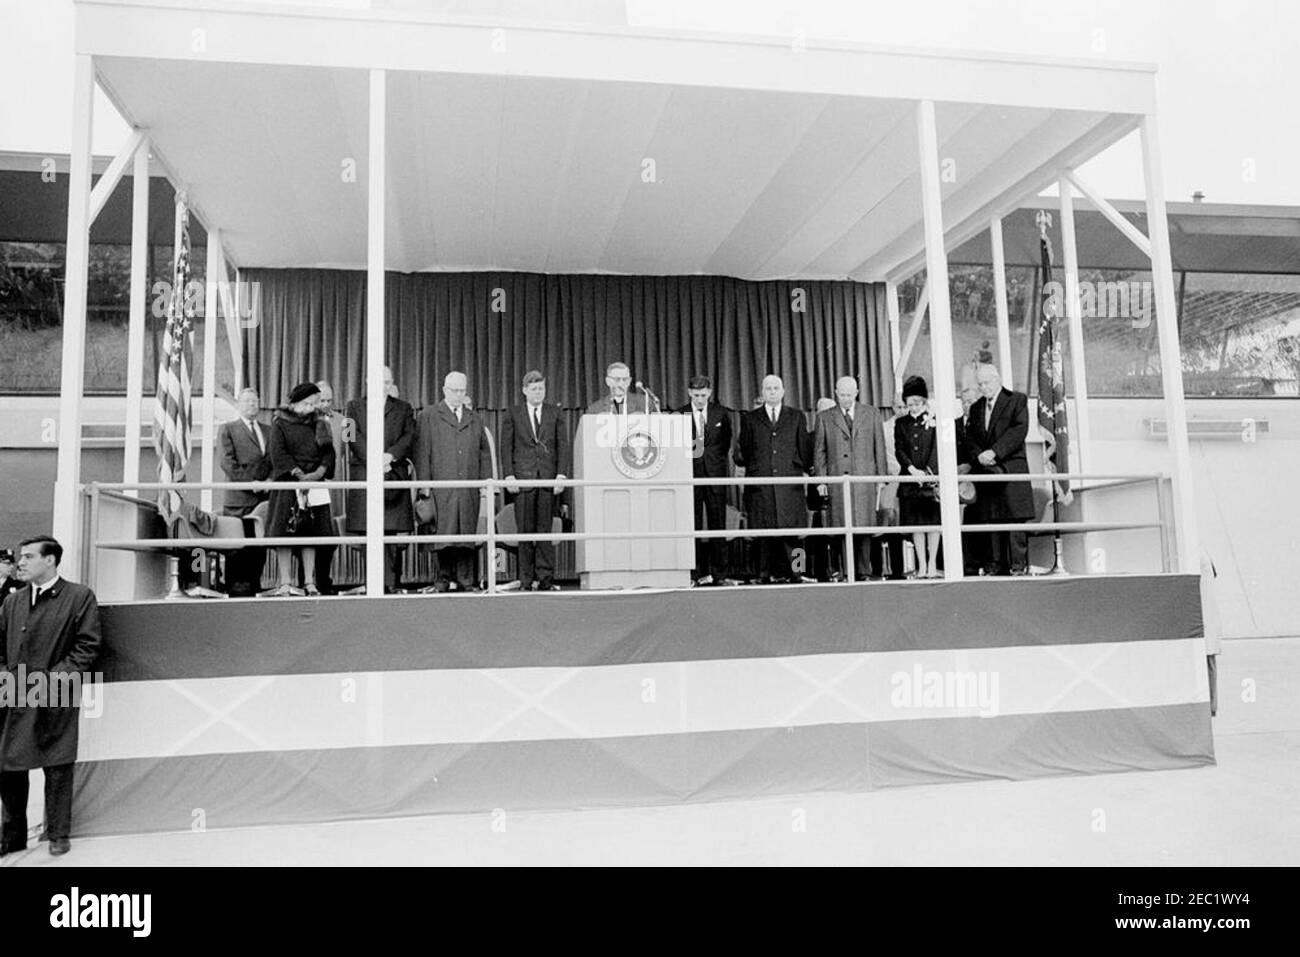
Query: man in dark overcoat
{"type": "Point", "coordinates": [451, 444]}
{"type": "Point", "coordinates": [399, 445]}
{"type": "Point", "coordinates": [774, 441]}
{"type": "Point", "coordinates": [49, 637]}
{"type": "Point", "coordinates": [995, 445]}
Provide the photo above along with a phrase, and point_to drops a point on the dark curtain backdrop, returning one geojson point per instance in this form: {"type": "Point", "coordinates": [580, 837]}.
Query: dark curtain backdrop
{"type": "Point", "coordinates": [310, 324]}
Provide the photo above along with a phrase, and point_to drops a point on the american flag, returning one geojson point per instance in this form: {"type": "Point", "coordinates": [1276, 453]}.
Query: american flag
{"type": "Point", "coordinates": [1052, 417]}
{"type": "Point", "coordinates": [171, 414]}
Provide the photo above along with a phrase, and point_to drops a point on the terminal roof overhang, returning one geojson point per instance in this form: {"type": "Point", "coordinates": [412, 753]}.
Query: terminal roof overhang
{"type": "Point", "coordinates": [516, 146]}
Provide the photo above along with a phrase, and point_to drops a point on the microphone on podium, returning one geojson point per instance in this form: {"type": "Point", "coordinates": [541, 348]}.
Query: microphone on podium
{"type": "Point", "coordinates": [652, 397]}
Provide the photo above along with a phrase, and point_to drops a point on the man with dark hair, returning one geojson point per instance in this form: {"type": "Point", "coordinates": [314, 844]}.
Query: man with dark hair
{"type": "Point", "coordinates": [535, 445]}
{"type": "Point", "coordinates": [49, 630]}
{"type": "Point", "coordinates": [711, 444]}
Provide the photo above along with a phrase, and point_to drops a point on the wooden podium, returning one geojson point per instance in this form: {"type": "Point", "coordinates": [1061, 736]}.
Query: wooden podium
{"type": "Point", "coordinates": [647, 450]}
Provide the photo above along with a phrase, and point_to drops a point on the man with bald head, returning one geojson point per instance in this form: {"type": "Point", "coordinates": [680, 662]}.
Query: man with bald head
{"type": "Point", "coordinates": [995, 445]}
{"type": "Point", "coordinates": [451, 444]}
{"type": "Point", "coordinates": [849, 440]}
{"type": "Point", "coordinates": [399, 441]}
{"type": "Point", "coordinates": [774, 442]}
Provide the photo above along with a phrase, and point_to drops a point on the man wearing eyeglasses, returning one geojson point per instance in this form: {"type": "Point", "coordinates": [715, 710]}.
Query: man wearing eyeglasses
{"type": "Point", "coordinates": [619, 400]}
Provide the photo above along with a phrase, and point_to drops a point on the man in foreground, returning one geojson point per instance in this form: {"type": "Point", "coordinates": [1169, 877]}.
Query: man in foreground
{"type": "Point", "coordinates": [49, 637]}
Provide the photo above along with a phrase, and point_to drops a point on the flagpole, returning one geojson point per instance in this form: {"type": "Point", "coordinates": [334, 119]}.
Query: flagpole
{"type": "Point", "coordinates": [1044, 219]}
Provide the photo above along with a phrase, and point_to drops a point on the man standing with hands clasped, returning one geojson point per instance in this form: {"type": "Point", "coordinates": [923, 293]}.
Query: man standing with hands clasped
{"type": "Point", "coordinates": [995, 443]}
{"type": "Point", "coordinates": [849, 440]}
{"type": "Point", "coordinates": [711, 444]}
{"type": "Point", "coordinates": [534, 445]}
{"type": "Point", "coordinates": [48, 630]}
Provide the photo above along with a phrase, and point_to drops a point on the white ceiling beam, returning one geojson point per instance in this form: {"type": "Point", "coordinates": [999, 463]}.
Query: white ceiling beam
{"type": "Point", "coordinates": [370, 39]}
{"type": "Point", "coordinates": [899, 267]}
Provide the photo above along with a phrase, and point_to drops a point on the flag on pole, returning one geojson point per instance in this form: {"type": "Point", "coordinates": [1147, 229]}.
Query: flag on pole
{"type": "Point", "coordinates": [171, 414]}
{"type": "Point", "coordinates": [1052, 418]}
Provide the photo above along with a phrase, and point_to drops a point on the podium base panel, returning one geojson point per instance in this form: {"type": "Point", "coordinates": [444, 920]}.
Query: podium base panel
{"type": "Point", "coordinates": [655, 578]}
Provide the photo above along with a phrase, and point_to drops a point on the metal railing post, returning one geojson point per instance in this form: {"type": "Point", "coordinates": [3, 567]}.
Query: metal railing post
{"type": "Point", "coordinates": [1164, 513]}
{"type": "Point", "coordinates": [489, 502]}
{"type": "Point", "coordinates": [92, 551]}
{"type": "Point", "coordinates": [850, 564]}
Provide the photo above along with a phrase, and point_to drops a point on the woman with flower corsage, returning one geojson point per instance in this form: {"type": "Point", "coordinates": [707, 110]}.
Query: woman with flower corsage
{"type": "Point", "coordinates": [917, 450]}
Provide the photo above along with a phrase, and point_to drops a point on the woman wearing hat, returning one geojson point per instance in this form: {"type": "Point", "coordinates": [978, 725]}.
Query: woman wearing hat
{"type": "Point", "coordinates": [302, 450]}
{"type": "Point", "coordinates": [917, 451]}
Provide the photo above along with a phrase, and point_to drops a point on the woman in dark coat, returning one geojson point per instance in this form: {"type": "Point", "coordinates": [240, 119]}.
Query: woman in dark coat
{"type": "Point", "coordinates": [302, 450]}
{"type": "Point", "coordinates": [917, 451]}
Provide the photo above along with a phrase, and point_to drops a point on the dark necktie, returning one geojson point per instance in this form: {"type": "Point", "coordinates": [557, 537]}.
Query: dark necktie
{"type": "Point", "coordinates": [536, 416]}
{"type": "Point", "coordinates": [848, 420]}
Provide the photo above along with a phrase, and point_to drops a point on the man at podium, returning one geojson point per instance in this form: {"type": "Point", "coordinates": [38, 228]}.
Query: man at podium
{"type": "Point", "coordinates": [618, 379]}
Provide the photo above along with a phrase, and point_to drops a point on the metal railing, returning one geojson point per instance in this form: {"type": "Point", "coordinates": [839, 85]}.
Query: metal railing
{"type": "Point", "coordinates": [492, 537]}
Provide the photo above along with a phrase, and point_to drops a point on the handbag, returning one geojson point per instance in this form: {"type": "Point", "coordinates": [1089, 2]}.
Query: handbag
{"type": "Point", "coordinates": [299, 516]}
{"type": "Point", "coordinates": [426, 510]}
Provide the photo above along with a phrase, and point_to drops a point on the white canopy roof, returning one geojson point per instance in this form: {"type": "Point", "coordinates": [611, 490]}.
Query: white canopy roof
{"type": "Point", "coordinates": [529, 146]}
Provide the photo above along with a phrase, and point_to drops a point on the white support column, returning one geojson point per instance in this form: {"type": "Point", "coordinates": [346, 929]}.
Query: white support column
{"type": "Point", "coordinates": [895, 339]}
{"type": "Point", "coordinates": [1000, 301]}
{"type": "Point", "coordinates": [375, 335]}
{"type": "Point", "coordinates": [237, 306]}
{"type": "Point", "coordinates": [234, 327]}
{"type": "Point", "coordinates": [137, 321]}
{"type": "Point", "coordinates": [913, 331]}
{"type": "Point", "coordinates": [1078, 362]}
{"type": "Point", "coordinates": [67, 494]}
{"type": "Point", "coordinates": [211, 278]}
{"type": "Point", "coordinates": [941, 357]}
{"type": "Point", "coordinates": [1171, 370]}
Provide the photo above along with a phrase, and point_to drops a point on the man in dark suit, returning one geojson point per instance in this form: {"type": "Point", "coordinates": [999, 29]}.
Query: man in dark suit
{"type": "Point", "coordinates": [451, 445]}
{"type": "Point", "coordinates": [995, 444]}
{"type": "Point", "coordinates": [619, 401]}
{"type": "Point", "coordinates": [535, 445]}
{"type": "Point", "coordinates": [774, 441]}
{"type": "Point", "coordinates": [711, 444]}
{"type": "Point", "coordinates": [974, 545]}
{"type": "Point", "coordinates": [50, 628]}
{"type": "Point", "coordinates": [244, 458]}
{"type": "Point", "coordinates": [399, 443]}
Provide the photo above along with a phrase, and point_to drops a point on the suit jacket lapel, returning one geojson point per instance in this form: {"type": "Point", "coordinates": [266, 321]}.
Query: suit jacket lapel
{"type": "Point", "coordinates": [999, 409]}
